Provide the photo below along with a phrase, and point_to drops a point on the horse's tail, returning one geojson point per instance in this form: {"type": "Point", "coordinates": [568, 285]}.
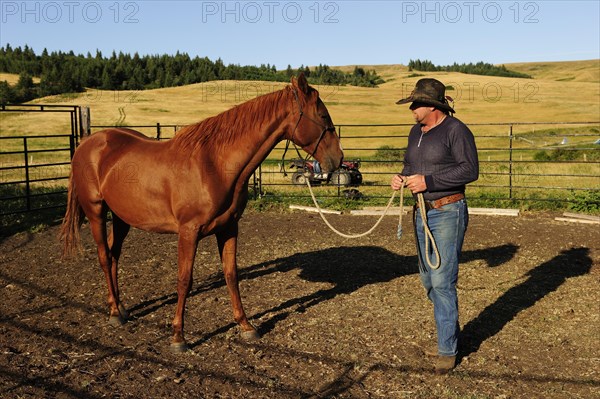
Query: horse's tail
{"type": "Point", "coordinates": [69, 232]}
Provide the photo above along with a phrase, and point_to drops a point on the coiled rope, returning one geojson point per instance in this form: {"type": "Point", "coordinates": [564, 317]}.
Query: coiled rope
{"type": "Point", "coordinates": [420, 199]}
{"type": "Point", "coordinates": [428, 235]}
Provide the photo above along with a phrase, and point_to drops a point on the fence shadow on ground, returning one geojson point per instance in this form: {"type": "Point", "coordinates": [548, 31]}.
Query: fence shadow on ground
{"type": "Point", "coordinates": [348, 269]}
{"type": "Point", "coordinates": [29, 222]}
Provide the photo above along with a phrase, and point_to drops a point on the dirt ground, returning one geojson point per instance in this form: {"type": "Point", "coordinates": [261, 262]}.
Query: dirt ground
{"type": "Point", "coordinates": [339, 318]}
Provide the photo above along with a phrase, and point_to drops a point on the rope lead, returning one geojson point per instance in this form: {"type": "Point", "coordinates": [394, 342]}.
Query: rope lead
{"type": "Point", "coordinates": [428, 234]}
{"type": "Point", "coordinates": [389, 204]}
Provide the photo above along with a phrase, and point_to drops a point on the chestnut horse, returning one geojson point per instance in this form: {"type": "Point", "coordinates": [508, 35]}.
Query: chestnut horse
{"type": "Point", "coordinates": [195, 185]}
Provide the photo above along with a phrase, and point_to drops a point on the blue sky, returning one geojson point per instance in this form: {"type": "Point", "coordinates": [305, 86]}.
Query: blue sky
{"type": "Point", "coordinates": [281, 32]}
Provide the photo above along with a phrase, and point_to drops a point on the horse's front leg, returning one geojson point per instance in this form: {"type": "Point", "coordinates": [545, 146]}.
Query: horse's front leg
{"type": "Point", "coordinates": [227, 241]}
{"type": "Point", "coordinates": [188, 243]}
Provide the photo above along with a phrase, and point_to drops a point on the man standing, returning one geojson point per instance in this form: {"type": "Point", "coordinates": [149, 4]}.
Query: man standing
{"type": "Point", "coordinates": [441, 158]}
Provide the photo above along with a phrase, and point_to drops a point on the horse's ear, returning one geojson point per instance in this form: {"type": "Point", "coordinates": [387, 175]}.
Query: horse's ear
{"type": "Point", "coordinates": [303, 83]}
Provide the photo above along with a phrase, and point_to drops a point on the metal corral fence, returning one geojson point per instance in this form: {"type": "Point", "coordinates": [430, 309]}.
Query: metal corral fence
{"type": "Point", "coordinates": [537, 161]}
{"type": "Point", "coordinates": [551, 161]}
{"type": "Point", "coordinates": [34, 168]}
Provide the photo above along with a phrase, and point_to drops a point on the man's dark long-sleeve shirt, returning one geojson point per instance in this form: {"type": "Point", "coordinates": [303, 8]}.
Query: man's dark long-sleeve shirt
{"type": "Point", "coordinates": [446, 155]}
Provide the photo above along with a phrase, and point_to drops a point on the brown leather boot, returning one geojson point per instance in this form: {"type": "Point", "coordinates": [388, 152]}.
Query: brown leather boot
{"type": "Point", "coordinates": [444, 364]}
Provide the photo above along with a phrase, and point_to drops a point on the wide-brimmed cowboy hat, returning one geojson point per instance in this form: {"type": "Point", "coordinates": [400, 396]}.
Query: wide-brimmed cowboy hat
{"type": "Point", "coordinates": [430, 92]}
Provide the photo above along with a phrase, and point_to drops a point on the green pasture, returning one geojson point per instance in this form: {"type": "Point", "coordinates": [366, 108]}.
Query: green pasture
{"type": "Point", "coordinates": [524, 184]}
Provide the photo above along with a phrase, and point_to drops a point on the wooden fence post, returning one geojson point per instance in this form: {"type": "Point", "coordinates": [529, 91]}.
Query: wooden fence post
{"type": "Point", "coordinates": [84, 122]}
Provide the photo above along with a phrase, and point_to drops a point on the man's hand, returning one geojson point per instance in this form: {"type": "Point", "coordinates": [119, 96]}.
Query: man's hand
{"type": "Point", "coordinates": [397, 182]}
{"type": "Point", "coordinates": [415, 183]}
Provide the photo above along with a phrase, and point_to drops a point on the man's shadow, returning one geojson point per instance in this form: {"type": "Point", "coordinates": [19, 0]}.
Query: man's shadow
{"type": "Point", "coordinates": [543, 279]}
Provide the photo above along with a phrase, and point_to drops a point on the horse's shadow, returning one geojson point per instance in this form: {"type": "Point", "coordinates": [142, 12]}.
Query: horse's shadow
{"type": "Point", "coordinates": [347, 269]}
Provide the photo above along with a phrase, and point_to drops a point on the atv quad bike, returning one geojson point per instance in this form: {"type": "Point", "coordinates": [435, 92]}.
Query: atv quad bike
{"type": "Point", "coordinates": [347, 175]}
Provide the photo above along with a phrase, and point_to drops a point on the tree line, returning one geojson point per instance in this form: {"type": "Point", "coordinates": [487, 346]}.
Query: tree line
{"type": "Point", "coordinates": [480, 68]}
{"type": "Point", "coordinates": [61, 72]}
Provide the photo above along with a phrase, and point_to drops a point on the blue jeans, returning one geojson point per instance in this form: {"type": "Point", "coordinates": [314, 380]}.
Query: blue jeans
{"type": "Point", "coordinates": [448, 225]}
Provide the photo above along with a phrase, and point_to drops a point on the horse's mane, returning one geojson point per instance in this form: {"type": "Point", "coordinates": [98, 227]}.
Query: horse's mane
{"type": "Point", "coordinates": [224, 128]}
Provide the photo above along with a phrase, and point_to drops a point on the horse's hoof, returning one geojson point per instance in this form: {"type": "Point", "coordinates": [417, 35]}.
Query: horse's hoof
{"type": "Point", "coordinates": [116, 321]}
{"type": "Point", "coordinates": [124, 313]}
{"type": "Point", "coordinates": [179, 347]}
{"type": "Point", "coordinates": [250, 335]}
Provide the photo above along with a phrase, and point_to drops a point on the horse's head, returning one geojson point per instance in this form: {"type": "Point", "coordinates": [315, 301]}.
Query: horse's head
{"type": "Point", "coordinates": [313, 128]}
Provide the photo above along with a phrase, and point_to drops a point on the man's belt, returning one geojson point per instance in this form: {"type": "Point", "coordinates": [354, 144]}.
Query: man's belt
{"type": "Point", "coordinates": [438, 203]}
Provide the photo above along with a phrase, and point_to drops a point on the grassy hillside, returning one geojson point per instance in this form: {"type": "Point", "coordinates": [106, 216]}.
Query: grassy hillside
{"type": "Point", "coordinates": [567, 71]}
{"type": "Point", "coordinates": [560, 91]}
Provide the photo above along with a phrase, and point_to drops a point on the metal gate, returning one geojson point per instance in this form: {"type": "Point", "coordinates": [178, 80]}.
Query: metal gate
{"type": "Point", "coordinates": [35, 166]}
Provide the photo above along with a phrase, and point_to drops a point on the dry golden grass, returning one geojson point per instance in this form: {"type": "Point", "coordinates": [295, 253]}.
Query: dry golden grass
{"type": "Point", "coordinates": [12, 79]}
{"type": "Point", "coordinates": [566, 71]}
{"type": "Point", "coordinates": [559, 92]}
{"type": "Point", "coordinates": [551, 96]}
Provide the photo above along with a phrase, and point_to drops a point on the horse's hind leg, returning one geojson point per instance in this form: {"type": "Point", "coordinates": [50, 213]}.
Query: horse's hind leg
{"type": "Point", "coordinates": [115, 244]}
{"type": "Point", "coordinates": [96, 214]}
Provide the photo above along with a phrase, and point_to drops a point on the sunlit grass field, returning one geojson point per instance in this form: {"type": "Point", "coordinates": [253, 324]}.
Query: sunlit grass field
{"type": "Point", "coordinates": [478, 99]}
